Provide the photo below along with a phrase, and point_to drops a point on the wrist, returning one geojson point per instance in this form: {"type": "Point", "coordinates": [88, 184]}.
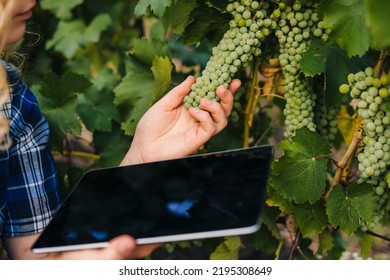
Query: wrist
{"type": "Point", "coordinates": [133, 156]}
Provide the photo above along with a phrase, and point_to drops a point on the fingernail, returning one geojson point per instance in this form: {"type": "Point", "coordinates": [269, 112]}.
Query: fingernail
{"type": "Point", "coordinates": [195, 109]}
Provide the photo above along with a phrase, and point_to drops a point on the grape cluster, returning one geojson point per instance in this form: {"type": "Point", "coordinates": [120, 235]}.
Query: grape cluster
{"type": "Point", "coordinates": [381, 192]}
{"type": "Point", "coordinates": [237, 108]}
{"type": "Point", "coordinates": [248, 28]}
{"type": "Point", "coordinates": [371, 93]}
{"type": "Point", "coordinates": [326, 121]}
{"type": "Point", "coordinates": [296, 28]}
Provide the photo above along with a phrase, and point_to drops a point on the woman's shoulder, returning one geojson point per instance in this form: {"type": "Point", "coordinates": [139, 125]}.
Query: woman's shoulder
{"type": "Point", "coordinates": [23, 111]}
{"type": "Point", "coordinates": [21, 96]}
{"type": "Point", "coordinates": [12, 72]}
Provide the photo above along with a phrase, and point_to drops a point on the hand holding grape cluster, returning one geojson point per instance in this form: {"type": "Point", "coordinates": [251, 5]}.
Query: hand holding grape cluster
{"type": "Point", "coordinates": [249, 26]}
{"type": "Point", "coordinates": [294, 25]}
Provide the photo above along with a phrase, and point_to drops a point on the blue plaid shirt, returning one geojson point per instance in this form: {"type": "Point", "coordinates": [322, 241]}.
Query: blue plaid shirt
{"type": "Point", "coordinates": [29, 189]}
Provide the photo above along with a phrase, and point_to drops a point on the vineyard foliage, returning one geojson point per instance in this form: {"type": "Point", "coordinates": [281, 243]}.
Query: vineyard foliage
{"type": "Point", "coordinates": [310, 83]}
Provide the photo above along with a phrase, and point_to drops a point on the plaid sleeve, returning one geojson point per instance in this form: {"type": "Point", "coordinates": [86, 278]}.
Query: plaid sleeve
{"type": "Point", "coordinates": [32, 191]}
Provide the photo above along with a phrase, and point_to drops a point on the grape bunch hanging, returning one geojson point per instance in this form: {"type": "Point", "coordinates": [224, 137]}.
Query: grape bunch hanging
{"type": "Point", "coordinates": [371, 90]}
{"type": "Point", "coordinates": [294, 24]}
{"type": "Point", "coordinates": [248, 28]}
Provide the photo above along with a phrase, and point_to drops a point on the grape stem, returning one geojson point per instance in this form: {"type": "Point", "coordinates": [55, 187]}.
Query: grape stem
{"type": "Point", "coordinates": [295, 246]}
{"type": "Point", "coordinates": [274, 95]}
{"type": "Point", "coordinates": [381, 63]}
{"type": "Point", "coordinates": [356, 140]}
{"type": "Point", "coordinates": [77, 154]}
{"type": "Point", "coordinates": [258, 142]}
{"type": "Point", "coordinates": [253, 97]}
{"type": "Point", "coordinates": [378, 235]}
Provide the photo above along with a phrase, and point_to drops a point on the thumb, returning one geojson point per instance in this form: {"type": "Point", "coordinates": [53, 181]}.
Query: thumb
{"type": "Point", "coordinates": [175, 97]}
{"type": "Point", "coordinates": [122, 247]}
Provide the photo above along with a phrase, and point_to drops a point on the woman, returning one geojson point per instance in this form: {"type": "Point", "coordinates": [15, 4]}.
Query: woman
{"type": "Point", "coordinates": [28, 184]}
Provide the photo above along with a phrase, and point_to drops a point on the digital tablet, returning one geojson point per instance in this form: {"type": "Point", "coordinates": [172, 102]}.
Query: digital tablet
{"type": "Point", "coordinates": [202, 196]}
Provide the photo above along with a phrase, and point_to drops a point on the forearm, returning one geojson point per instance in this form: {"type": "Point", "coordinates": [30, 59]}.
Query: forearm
{"type": "Point", "coordinates": [120, 248]}
{"type": "Point", "coordinates": [20, 247]}
{"type": "Point", "coordinates": [133, 156]}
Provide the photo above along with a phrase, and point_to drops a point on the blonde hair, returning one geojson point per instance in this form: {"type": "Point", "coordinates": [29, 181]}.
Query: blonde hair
{"type": "Point", "coordinates": [6, 7]}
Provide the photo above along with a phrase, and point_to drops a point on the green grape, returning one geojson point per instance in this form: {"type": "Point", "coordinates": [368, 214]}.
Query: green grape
{"type": "Point", "coordinates": [344, 89]}
{"type": "Point", "coordinates": [326, 120]}
{"type": "Point", "coordinates": [374, 159]}
{"type": "Point", "coordinates": [248, 28]}
{"type": "Point", "coordinates": [384, 92]}
{"type": "Point", "coordinates": [295, 32]}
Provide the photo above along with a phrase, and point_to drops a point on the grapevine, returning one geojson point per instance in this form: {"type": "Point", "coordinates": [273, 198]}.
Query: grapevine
{"type": "Point", "coordinates": [326, 120]}
{"type": "Point", "coordinates": [331, 130]}
{"type": "Point", "coordinates": [248, 28]}
{"type": "Point", "coordinates": [296, 27]}
{"type": "Point", "coordinates": [371, 91]}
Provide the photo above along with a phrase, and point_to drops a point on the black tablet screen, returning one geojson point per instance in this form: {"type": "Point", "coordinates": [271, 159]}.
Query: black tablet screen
{"type": "Point", "coordinates": [195, 194]}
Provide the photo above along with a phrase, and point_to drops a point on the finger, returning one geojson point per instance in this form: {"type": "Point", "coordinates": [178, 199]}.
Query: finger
{"type": "Point", "coordinates": [216, 112]}
{"type": "Point", "coordinates": [226, 100]}
{"type": "Point", "coordinates": [175, 97]}
{"type": "Point", "coordinates": [124, 247]}
{"type": "Point", "coordinates": [144, 250]}
{"type": "Point", "coordinates": [121, 248]}
{"type": "Point", "coordinates": [234, 85]}
{"type": "Point", "coordinates": [206, 127]}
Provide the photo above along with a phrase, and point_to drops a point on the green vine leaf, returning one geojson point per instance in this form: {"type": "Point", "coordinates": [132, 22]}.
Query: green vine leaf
{"type": "Point", "coordinates": [300, 174]}
{"type": "Point", "coordinates": [388, 205]}
{"type": "Point", "coordinates": [179, 15]}
{"type": "Point", "coordinates": [147, 49]}
{"type": "Point", "coordinates": [326, 242]}
{"type": "Point", "coordinates": [96, 107]}
{"type": "Point", "coordinates": [158, 31]}
{"type": "Point", "coordinates": [206, 22]}
{"type": "Point", "coordinates": [315, 58]}
{"type": "Point", "coordinates": [218, 4]}
{"type": "Point", "coordinates": [133, 96]}
{"type": "Point", "coordinates": [57, 97]}
{"type": "Point", "coordinates": [346, 209]}
{"type": "Point", "coordinates": [94, 30]}
{"type": "Point", "coordinates": [347, 20]}
{"type": "Point", "coordinates": [227, 250]}
{"type": "Point", "coordinates": [367, 243]}
{"type": "Point", "coordinates": [320, 58]}
{"type": "Point", "coordinates": [111, 146]}
{"type": "Point", "coordinates": [158, 7]}
{"type": "Point", "coordinates": [162, 71]}
{"type": "Point", "coordinates": [264, 240]}
{"type": "Point", "coordinates": [62, 9]}
{"type": "Point", "coordinates": [277, 200]}
{"type": "Point", "coordinates": [310, 218]}
{"type": "Point", "coordinates": [70, 36]}
{"type": "Point", "coordinates": [334, 63]}
{"type": "Point", "coordinates": [379, 22]}
{"type": "Point", "coordinates": [268, 237]}
{"type": "Point", "coordinates": [387, 177]}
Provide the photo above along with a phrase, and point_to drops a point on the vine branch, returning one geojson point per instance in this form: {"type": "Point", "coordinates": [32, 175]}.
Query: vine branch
{"type": "Point", "coordinates": [357, 138]}
{"type": "Point", "coordinates": [253, 96]}
{"type": "Point", "coordinates": [378, 235]}
{"type": "Point", "coordinates": [295, 246]}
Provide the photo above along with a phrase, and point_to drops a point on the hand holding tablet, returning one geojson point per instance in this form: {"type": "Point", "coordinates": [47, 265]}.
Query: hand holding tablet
{"type": "Point", "coordinates": [202, 196]}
